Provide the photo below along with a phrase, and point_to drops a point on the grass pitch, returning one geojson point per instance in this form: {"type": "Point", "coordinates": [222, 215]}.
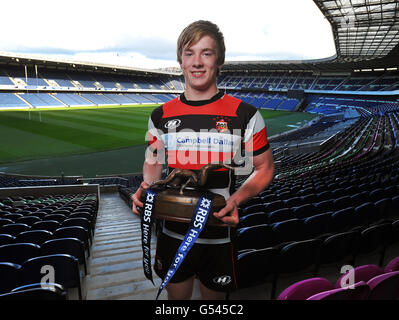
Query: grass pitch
{"type": "Point", "coordinates": [89, 141]}
{"type": "Point", "coordinates": [27, 135]}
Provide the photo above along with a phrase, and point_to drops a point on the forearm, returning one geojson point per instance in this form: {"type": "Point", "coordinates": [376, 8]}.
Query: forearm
{"type": "Point", "coordinates": [152, 171]}
{"type": "Point", "coordinates": [256, 182]}
{"type": "Point", "coordinates": [259, 179]}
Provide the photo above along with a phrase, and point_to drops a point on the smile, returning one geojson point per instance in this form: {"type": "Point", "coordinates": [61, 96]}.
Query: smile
{"type": "Point", "coordinates": [197, 73]}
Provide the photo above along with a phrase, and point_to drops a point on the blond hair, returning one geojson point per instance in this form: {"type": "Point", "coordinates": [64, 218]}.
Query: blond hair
{"type": "Point", "coordinates": [194, 32]}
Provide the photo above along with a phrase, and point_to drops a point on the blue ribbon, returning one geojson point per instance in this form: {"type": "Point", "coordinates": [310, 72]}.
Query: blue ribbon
{"type": "Point", "coordinates": [146, 226]}
{"type": "Point", "coordinates": [197, 224]}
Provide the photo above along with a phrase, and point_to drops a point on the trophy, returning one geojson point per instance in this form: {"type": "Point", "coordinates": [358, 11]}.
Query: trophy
{"type": "Point", "coordinates": [182, 190]}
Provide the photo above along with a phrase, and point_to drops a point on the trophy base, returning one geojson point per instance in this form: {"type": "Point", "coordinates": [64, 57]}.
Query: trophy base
{"type": "Point", "coordinates": [172, 206]}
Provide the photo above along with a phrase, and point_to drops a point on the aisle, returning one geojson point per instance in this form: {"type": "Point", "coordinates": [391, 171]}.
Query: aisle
{"type": "Point", "coordinates": [115, 265]}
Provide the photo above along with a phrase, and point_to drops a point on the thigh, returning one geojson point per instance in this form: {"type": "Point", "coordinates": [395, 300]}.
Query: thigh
{"type": "Point", "coordinates": [217, 268]}
{"type": "Point", "coordinates": [165, 253]}
{"type": "Point", "coordinates": [181, 290]}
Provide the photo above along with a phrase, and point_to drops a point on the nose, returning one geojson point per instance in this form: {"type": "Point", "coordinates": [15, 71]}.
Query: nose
{"type": "Point", "coordinates": [197, 61]}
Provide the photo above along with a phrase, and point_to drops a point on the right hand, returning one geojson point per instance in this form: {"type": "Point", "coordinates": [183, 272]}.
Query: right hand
{"type": "Point", "coordinates": [136, 197]}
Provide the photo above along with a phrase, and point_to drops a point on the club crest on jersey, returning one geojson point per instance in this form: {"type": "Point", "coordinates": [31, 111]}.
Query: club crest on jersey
{"type": "Point", "coordinates": [221, 126]}
{"type": "Point", "coordinates": [222, 123]}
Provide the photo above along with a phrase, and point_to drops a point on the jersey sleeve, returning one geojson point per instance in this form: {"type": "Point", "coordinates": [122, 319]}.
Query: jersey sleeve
{"type": "Point", "coordinates": [154, 132]}
{"type": "Point", "coordinates": [255, 137]}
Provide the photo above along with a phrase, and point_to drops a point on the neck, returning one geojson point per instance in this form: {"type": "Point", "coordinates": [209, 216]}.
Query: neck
{"type": "Point", "coordinates": [197, 95]}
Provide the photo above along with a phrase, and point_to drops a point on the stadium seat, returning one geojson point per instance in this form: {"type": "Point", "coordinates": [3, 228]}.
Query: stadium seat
{"type": "Point", "coordinates": [376, 194]}
{"type": "Point", "coordinates": [376, 238]}
{"type": "Point", "coordinates": [256, 267]}
{"type": "Point", "coordinates": [253, 209]}
{"type": "Point", "coordinates": [287, 231]}
{"type": "Point", "coordinates": [293, 202]}
{"type": "Point", "coordinates": [253, 219]}
{"type": "Point", "coordinates": [33, 236]}
{"type": "Point", "coordinates": [14, 228]}
{"type": "Point", "coordinates": [365, 213]}
{"type": "Point", "coordinates": [316, 225]}
{"type": "Point", "coordinates": [66, 270]}
{"type": "Point", "coordinates": [309, 198]}
{"type": "Point", "coordinates": [382, 209]}
{"type": "Point", "coordinates": [279, 215]}
{"type": "Point", "coordinates": [78, 222]}
{"type": "Point", "coordinates": [36, 291]}
{"type": "Point", "coordinates": [18, 252]}
{"type": "Point", "coordinates": [9, 276]}
{"type": "Point", "coordinates": [304, 211]}
{"type": "Point", "coordinates": [339, 247]}
{"type": "Point", "coordinates": [338, 192]}
{"type": "Point", "coordinates": [384, 286]}
{"type": "Point", "coordinates": [49, 225]}
{"type": "Point", "coordinates": [13, 216]}
{"type": "Point", "coordinates": [255, 237]}
{"type": "Point", "coordinates": [70, 246]}
{"type": "Point", "coordinates": [74, 232]}
{"type": "Point", "coordinates": [29, 220]}
{"type": "Point", "coordinates": [56, 217]}
{"type": "Point", "coordinates": [360, 291]}
{"type": "Point", "coordinates": [359, 198]}
{"type": "Point", "coordinates": [392, 265]}
{"type": "Point", "coordinates": [304, 289]}
{"type": "Point", "coordinates": [6, 239]}
{"type": "Point", "coordinates": [359, 273]}
{"type": "Point", "coordinates": [343, 220]}
{"type": "Point", "coordinates": [295, 257]}
{"type": "Point", "coordinates": [324, 195]}
{"type": "Point", "coordinates": [325, 205]}
{"type": "Point", "coordinates": [274, 205]}
{"type": "Point", "coordinates": [342, 202]}
{"type": "Point", "coordinates": [394, 208]}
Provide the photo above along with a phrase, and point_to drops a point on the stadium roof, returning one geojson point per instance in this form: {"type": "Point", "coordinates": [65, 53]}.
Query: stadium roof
{"type": "Point", "coordinates": [16, 59]}
{"type": "Point", "coordinates": [366, 35]}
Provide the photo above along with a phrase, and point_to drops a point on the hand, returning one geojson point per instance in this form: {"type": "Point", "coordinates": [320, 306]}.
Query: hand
{"type": "Point", "coordinates": [136, 197]}
{"type": "Point", "coordinates": [229, 213]}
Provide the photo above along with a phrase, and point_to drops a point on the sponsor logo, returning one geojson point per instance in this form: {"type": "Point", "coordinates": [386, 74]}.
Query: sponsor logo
{"type": "Point", "coordinates": [172, 124]}
{"type": "Point", "coordinates": [222, 280]}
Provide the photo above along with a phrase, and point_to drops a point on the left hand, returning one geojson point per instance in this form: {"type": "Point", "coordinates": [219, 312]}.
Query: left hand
{"type": "Point", "coordinates": [228, 214]}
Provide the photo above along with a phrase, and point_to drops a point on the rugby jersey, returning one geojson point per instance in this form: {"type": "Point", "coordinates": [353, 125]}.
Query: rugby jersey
{"type": "Point", "coordinates": [195, 133]}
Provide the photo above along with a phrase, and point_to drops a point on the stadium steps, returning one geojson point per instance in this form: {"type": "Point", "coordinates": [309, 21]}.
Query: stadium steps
{"type": "Point", "coordinates": [64, 104]}
{"type": "Point", "coordinates": [115, 264]}
{"type": "Point", "coordinates": [27, 102]}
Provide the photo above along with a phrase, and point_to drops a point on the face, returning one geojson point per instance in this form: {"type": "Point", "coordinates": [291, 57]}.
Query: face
{"type": "Point", "coordinates": [199, 68]}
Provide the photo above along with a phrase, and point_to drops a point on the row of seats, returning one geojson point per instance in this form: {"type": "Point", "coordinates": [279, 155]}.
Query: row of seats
{"type": "Point", "coordinates": [257, 266]}
{"type": "Point", "coordinates": [365, 209]}
{"type": "Point", "coordinates": [338, 198]}
{"type": "Point", "coordinates": [48, 230]}
{"type": "Point", "coordinates": [318, 226]}
{"type": "Point", "coordinates": [62, 269]}
{"type": "Point", "coordinates": [363, 282]}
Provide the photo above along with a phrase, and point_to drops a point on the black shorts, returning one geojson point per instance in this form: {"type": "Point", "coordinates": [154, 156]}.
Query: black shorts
{"type": "Point", "coordinates": [213, 264]}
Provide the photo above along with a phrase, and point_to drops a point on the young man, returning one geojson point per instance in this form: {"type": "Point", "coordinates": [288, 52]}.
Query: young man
{"type": "Point", "coordinates": [204, 125]}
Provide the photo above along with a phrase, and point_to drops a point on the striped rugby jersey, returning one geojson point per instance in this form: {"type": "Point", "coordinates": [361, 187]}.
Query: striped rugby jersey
{"type": "Point", "coordinates": [194, 133]}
